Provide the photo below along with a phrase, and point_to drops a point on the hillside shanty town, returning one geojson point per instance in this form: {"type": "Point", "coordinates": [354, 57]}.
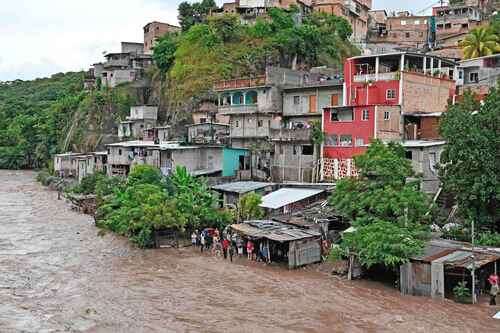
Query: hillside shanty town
{"type": "Point", "coordinates": [261, 165]}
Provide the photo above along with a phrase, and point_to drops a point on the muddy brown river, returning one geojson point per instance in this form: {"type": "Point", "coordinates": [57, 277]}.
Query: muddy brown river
{"type": "Point", "coordinates": [58, 275]}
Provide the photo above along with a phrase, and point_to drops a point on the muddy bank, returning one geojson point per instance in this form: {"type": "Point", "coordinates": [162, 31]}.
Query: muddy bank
{"type": "Point", "coordinates": [58, 275]}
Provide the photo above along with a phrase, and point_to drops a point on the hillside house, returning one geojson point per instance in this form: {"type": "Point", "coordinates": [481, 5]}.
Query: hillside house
{"type": "Point", "coordinates": [478, 75]}
{"type": "Point", "coordinates": [295, 154]}
{"type": "Point", "coordinates": [392, 97]}
{"type": "Point", "coordinates": [141, 118]}
{"type": "Point", "coordinates": [254, 106]}
{"type": "Point", "coordinates": [66, 165]}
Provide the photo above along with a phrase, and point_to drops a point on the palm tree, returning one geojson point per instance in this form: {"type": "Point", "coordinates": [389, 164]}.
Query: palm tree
{"type": "Point", "coordinates": [480, 42]}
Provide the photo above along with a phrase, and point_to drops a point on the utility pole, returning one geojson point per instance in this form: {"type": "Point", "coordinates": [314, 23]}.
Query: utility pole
{"type": "Point", "coordinates": [473, 267]}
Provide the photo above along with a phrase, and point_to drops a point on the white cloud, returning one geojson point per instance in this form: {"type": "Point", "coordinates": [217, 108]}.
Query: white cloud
{"type": "Point", "coordinates": [40, 37]}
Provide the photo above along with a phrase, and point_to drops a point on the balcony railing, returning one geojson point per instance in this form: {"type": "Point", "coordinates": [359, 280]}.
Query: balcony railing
{"type": "Point", "coordinates": [373, 77]}
{"type": "Point", "coordinates": [240, 83]}
{"type": "Point", "coordinates": [286, 134]}
{"type": "Point", "coordinates": [237, 109]}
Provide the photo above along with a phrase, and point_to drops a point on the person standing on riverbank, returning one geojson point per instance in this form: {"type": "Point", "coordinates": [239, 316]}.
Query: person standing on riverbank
{"type": "Point", "coordinates": [225, 247]}
{"type": "Point", "coordinates": [250, 248]}
{"type": "Point", "coordinates": [493, 280]}
{"type": "Point", "coordinates": [202, 241]}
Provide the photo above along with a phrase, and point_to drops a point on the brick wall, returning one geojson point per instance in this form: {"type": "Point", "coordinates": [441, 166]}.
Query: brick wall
{"type": "Point", "coordinates": [426, 94]}
{"type": "Point", "coordinates": [388, 129]}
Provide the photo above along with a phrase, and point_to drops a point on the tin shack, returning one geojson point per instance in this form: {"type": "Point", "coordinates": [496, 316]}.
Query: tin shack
{"type": "Point", "coordinates": [283, 243]}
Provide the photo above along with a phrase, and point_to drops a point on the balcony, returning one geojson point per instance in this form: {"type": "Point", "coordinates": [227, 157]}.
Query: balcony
{"type": "Point", "coordinates": [258, 81]}
{"type": "Point", "coordinates": [286, 134]}
{"type": "Point", "coordinates": [238, 109]}
{"type": "Point", "coordinates": [373, 77]}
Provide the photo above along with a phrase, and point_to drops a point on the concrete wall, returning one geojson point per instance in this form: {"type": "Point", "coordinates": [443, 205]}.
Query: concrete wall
{"type": "Point", "coordinates": [128, 47]}
{"type": "Point", "coordinates": [425, 93]}
{"type": "Point", "coordinates": [321, 98]}
{"type": "Point", "coordinates": [117, 76]}
{"type": "Point", "coordinates": [198, 159]}
{"type": "Point", "coordinates": [253, 125]}
{"type": "Point", "coordinates": [404, 30]}
{"type": "Point", "coordinates": [290, 163]}
{"type": "Point", "coordinates": [143, 112]}
{"type": "Point", "coordinates": [120, 155]}
{"type": "Point", "coordinates": [424, 160]}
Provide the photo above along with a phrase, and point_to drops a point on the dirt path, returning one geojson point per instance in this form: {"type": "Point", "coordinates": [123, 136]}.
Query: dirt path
{"type": "Point", "coordinates": [58, 275]}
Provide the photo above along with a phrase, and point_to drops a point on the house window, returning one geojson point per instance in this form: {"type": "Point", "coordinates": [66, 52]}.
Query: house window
{"type": "Point", "coordinates": [403, 22]}
{"type": "Point", "coordinates": [331, 140]}
{"type": "Point", "coordinates": [409, 155]}
{"type": "Point", "coordinates": [407, 35]}
{"type": "Point", "coordinates": [390, 94]}
{"type": "Point", "coordinates": [237, 123]}
{"type": "Point", "coordinates": [238, 99]}
{"type": "Point", "coordinates": [421, 34]}
{"type": "Point", "coordinates": [474, 77]}
{"type": "Point", "coordinates": [342, 114]}
{"type": "Point", "coordinates": [294, 150]}
{"type": "Point", "coordinates": [296, 100]}
{"type": "Point", "coordinates": [307, 150]}
{"type": "Point", "coordinates": [460, 75]}
{"type": "Point", "coordinates": [366, 115]}
{"type": "Point", "coordinates": [281, 149]}
{"type": "Point", "coordinates": [346, 140]}
{"type": "Point", "coordinates": [360, 142]}
{"type": "Point", "coordinates": [251, 98]}
{"type": "Point", "coordinates": [203, 120]}
{"type": "Point", "coordinates": [260, 123]}
{"type": "Point", "coordinates": [417, 22]}
{"type": "Point", "coordinates": [387, 115]}
{"type": "Point", "coordinates": [119, 152]}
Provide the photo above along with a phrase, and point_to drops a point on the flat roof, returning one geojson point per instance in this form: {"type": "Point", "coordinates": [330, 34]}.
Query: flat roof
{"type": "Point", "coordinates": [479, 58]}
{"type": "Point", "coordinates": [286, 196]}
{"type": "Point", "coordinates": [204, 124]}
{"type": "Point", "coordinates": [69, 154]}
{"type": "Point", "coordinates": [316, 85]}
{"type": "Point", "coordinates": [424, 114]}
{"type": "Point", "coordinates": [422, 143]}
{"type": "Point", "coordinates": [401, 53]}
{"type": "Point", "coordinates": [241, 187]}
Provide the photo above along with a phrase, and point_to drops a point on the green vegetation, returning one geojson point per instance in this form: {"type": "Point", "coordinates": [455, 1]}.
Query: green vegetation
{"type": "Point", "coordinates": [146, 202]}
{"type": "Point", "coordinates": [42, 117]}
{"type": "Point", "coordinates": [387, 211]}
{"type": "Point", "coordinates": [462, 292]}
{"type": "Point", "coordinates": [470, 163]}
{"type": "Point", "coordinates": [88, 184]}
{"type": "Point", "coordinates": [193, 13]}
{"type": "Point", "coordinates": [221, 47]}
{"type": "Point", "coordinates": [481, 41]}
{"type": "Point", "coordinates": [248, 207]}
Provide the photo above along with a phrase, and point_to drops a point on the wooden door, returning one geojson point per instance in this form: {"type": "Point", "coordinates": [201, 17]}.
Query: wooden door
{"type": "Point", "coordinates": [313, 105]}
{"type": "Point", "coordinates": [335, 100]}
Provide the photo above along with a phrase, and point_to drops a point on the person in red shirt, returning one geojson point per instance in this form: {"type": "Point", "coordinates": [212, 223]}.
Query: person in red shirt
{"type": "Point", "coordinates": [250, 248]}
{"type": "Point", "coordinates": [225, 247]}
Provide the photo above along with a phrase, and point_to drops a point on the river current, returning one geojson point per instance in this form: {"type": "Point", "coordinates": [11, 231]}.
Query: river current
{"type": "Point", "coordinates": [59, 274]}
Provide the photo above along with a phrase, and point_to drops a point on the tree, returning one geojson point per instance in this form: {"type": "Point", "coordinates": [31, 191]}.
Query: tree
{"type": "Point", "coordinates": [470, 162]}
{"type": "Point", "coordinates": [248, 207]}
{"type": "Point", "coordinates": [164, 52]}
{"type": "Point", "coordinates": [191, 14]}
{"type": "Point", "coordinates": [481, 41]}
{"type": "Point", "coordinates": [387, 211]}
{"type": "Point", "coordinates": [144, 174]}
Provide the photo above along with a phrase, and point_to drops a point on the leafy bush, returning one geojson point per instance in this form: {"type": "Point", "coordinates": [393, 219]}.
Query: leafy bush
{"type": "Point", "coordinates": [88, 184]}
{"type": "Point", "coordinates": [462, 292]}
{"type": "Point", "coordinates": [488, 239]}
{"type": "Point", "coordinates": [144, 174]}
{"type": "Point", "coordinates": [249, 208]}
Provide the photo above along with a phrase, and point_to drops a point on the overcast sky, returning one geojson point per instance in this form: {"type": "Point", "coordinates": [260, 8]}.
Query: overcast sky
{"type": "Point", "coordinates": [43, 37]}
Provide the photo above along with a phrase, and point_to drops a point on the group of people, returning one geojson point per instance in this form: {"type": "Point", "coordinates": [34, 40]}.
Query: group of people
{"type": "Point", "coordinates": [228, 245]}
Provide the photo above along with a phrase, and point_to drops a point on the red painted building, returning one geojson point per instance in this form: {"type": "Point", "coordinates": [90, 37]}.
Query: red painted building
{"type": "Point", "coordinates": [391, 97]}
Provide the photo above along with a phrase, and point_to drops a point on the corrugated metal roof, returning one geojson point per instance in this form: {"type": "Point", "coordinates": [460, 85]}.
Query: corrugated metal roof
{"type": "Point", "coordinates": [286, 196]}
{"type": "Point", "coordinates": [274, 231]}
{"type": "Point", "coordinates": [241, 187]}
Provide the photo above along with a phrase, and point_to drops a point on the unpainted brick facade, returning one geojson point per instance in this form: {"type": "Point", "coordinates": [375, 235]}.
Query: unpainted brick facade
{"type": "Point", "coordinates": [425, 93]}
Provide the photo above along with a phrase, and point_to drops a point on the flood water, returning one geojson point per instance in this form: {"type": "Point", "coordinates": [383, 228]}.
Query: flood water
{"type": "Point", "coordinates": [58, 275]}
